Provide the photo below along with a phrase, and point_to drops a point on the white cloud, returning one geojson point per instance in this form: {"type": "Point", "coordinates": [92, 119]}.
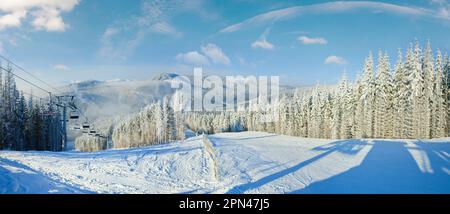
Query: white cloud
{"type": "Point", "coordinates": [120, 39]}
{"type": "Point", "coordinates": [209, 52]}
{"type": "Point", "coordinates": [109, 32]}
{"type": "Point", "coordinates": [13, 19]}
{"type": "Point", "coordinates": [215, 53]}
{"type": "Point", "coordinates": [107, 49]}
{"type": "Point", "coordinates": [193, 57]}
{"type": "Point", "coordinates": [443, 7]}
{"type": "Point", "coordinates": [154, 18]}
{"type": "Point", "coordinates": [335, 60]}
{"type": "Point", "coordinates": [335, 7]}
{"type": "Point", "coordinates": [61, 67]}
{"type": "Point", "coordinates": [163, 28]}
{"type": "Point", "coordinates": [439, 2]}
{"type": "Point", "coordinates": [263, 44]}
{"type": "Point", "coordinates": [312, 41]}
{"type": "Point", "coordinates": [48, 19]}
{"type": "Point", "coordinates": [45, 14]}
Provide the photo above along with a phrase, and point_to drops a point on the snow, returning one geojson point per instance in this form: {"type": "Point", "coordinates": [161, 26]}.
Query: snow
{"type": "Point", "coordinates": [246, 162]}
{"type": "Point", "coordinates": [19, 178]}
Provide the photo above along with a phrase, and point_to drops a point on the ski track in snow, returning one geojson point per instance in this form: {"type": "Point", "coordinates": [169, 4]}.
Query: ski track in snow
{"type": "Point", "coordinates": [247, 162]}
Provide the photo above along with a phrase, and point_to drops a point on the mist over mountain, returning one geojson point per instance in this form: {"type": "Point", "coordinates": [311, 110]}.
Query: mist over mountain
{"type": "Point", "coordinates": [104, 102]}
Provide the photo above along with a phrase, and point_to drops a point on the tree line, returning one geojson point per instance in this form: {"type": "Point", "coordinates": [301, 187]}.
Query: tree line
{"type": "Point", "coordinates": [409, 100]}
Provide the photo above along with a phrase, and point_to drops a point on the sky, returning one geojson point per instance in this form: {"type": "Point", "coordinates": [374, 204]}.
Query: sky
{"type": "Point", "coordinates": [303, 42]}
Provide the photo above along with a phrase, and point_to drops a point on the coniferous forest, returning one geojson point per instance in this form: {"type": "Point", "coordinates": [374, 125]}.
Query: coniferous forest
{"type": "Point", "coordinates": [26, 124]}
{"type": "Point", "coordinates": [408, 100]}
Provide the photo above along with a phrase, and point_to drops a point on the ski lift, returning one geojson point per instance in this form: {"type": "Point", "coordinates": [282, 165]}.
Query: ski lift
{"type": "Point", "coordinates": [86, 126]}
{"type": "Point", "coordinates": [74, 115]}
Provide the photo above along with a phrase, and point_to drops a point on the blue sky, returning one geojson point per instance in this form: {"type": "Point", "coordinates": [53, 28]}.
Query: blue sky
{"type": "Point", "coordinates": [302, 41]}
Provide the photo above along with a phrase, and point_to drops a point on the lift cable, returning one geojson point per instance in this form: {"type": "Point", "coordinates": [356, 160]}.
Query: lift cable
{"type": "Point", "coordinates": [32, 95]}
{"type": "Point", "coordinates": [26, 80]}
{"type": "Point", "coordinates": [29, 73]}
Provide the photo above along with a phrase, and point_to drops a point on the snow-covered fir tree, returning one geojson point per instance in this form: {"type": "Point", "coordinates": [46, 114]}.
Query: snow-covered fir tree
{"type": "Point", "coordinates": [382, 122]}
{"type": "Point", "coordinates": [412, 101]}
{"type": "Point", "coordinates": [26, 125]}
{"type": "Point", "coordinates": [368, 98]}
{"type": "Point", "coordinates": [155, 124]}
{"type": "Point", "coordinates": [440, 110]}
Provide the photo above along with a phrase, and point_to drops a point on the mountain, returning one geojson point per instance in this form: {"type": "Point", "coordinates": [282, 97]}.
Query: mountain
{"type": "Point", "coordinates": [102, 103]}
{"type": "Point", "coordinates": [165, 76]}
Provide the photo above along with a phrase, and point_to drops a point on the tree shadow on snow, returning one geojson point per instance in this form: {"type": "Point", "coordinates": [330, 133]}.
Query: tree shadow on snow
{"type": "Point", "coordinates": [19, 178]}
{"type": "Point", "coordinates": [344, 146]}
{"type": "Point", "coordinates": [389, 167]}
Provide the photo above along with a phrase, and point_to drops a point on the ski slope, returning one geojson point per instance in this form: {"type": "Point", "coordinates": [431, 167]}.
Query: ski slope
{"type": "Point", "coordinates": [247, 162]}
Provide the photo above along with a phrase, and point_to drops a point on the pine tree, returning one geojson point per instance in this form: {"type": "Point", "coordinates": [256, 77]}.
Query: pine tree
{"type": "Point", "coordinates": [389, 117]}
{"type": "Point", "coordinates": [429, 92]}
{"type": "Point", "coordinates": [406, 96]}
{"type": "Point", "coordinates": [336, 120]}
{"type": "Point", "coordinates": [160, 123]}
{"type": "Point", "coordinates": [368, 98]}
{"type": "Point", "coordinates": [316, 120]}
{"type": "Point", "coordinates": [419, 98]}
{"type": "Point", "coordinates": [327, 115]}
{"type": "Point", "coordinates": [2, 110]}
{"type": "Point", "coordinates": [382, 94]}
{"type": "Point", "coordinates": [446, 83]}
{"type": "Point", "coordinates": [37, 128]}
{"type": "Point", "coordinates": [169, 118]}
{"type": "Point", "coordinates": [21, 121]}
{"type": "Point", "coordinates": [347, 109]}
{"type": "Point", "coordinates": [398, 96]}
{"type": "Point", "coordinates": [9, 117]}
{"type": "Point", "coordinates": [439, 100]}
{"type": "Point", "coordinates": [359, 108]}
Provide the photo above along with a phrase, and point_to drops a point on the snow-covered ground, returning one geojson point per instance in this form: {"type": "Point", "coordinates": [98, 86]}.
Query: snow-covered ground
{"type": "Point", "coordinates": [248, 162]}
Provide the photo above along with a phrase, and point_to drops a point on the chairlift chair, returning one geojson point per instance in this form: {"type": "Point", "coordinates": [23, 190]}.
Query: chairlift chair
{"type": "Point", "coordinates": [74, 115]}
{"type": "Point", "coordinates": [86, 126]}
